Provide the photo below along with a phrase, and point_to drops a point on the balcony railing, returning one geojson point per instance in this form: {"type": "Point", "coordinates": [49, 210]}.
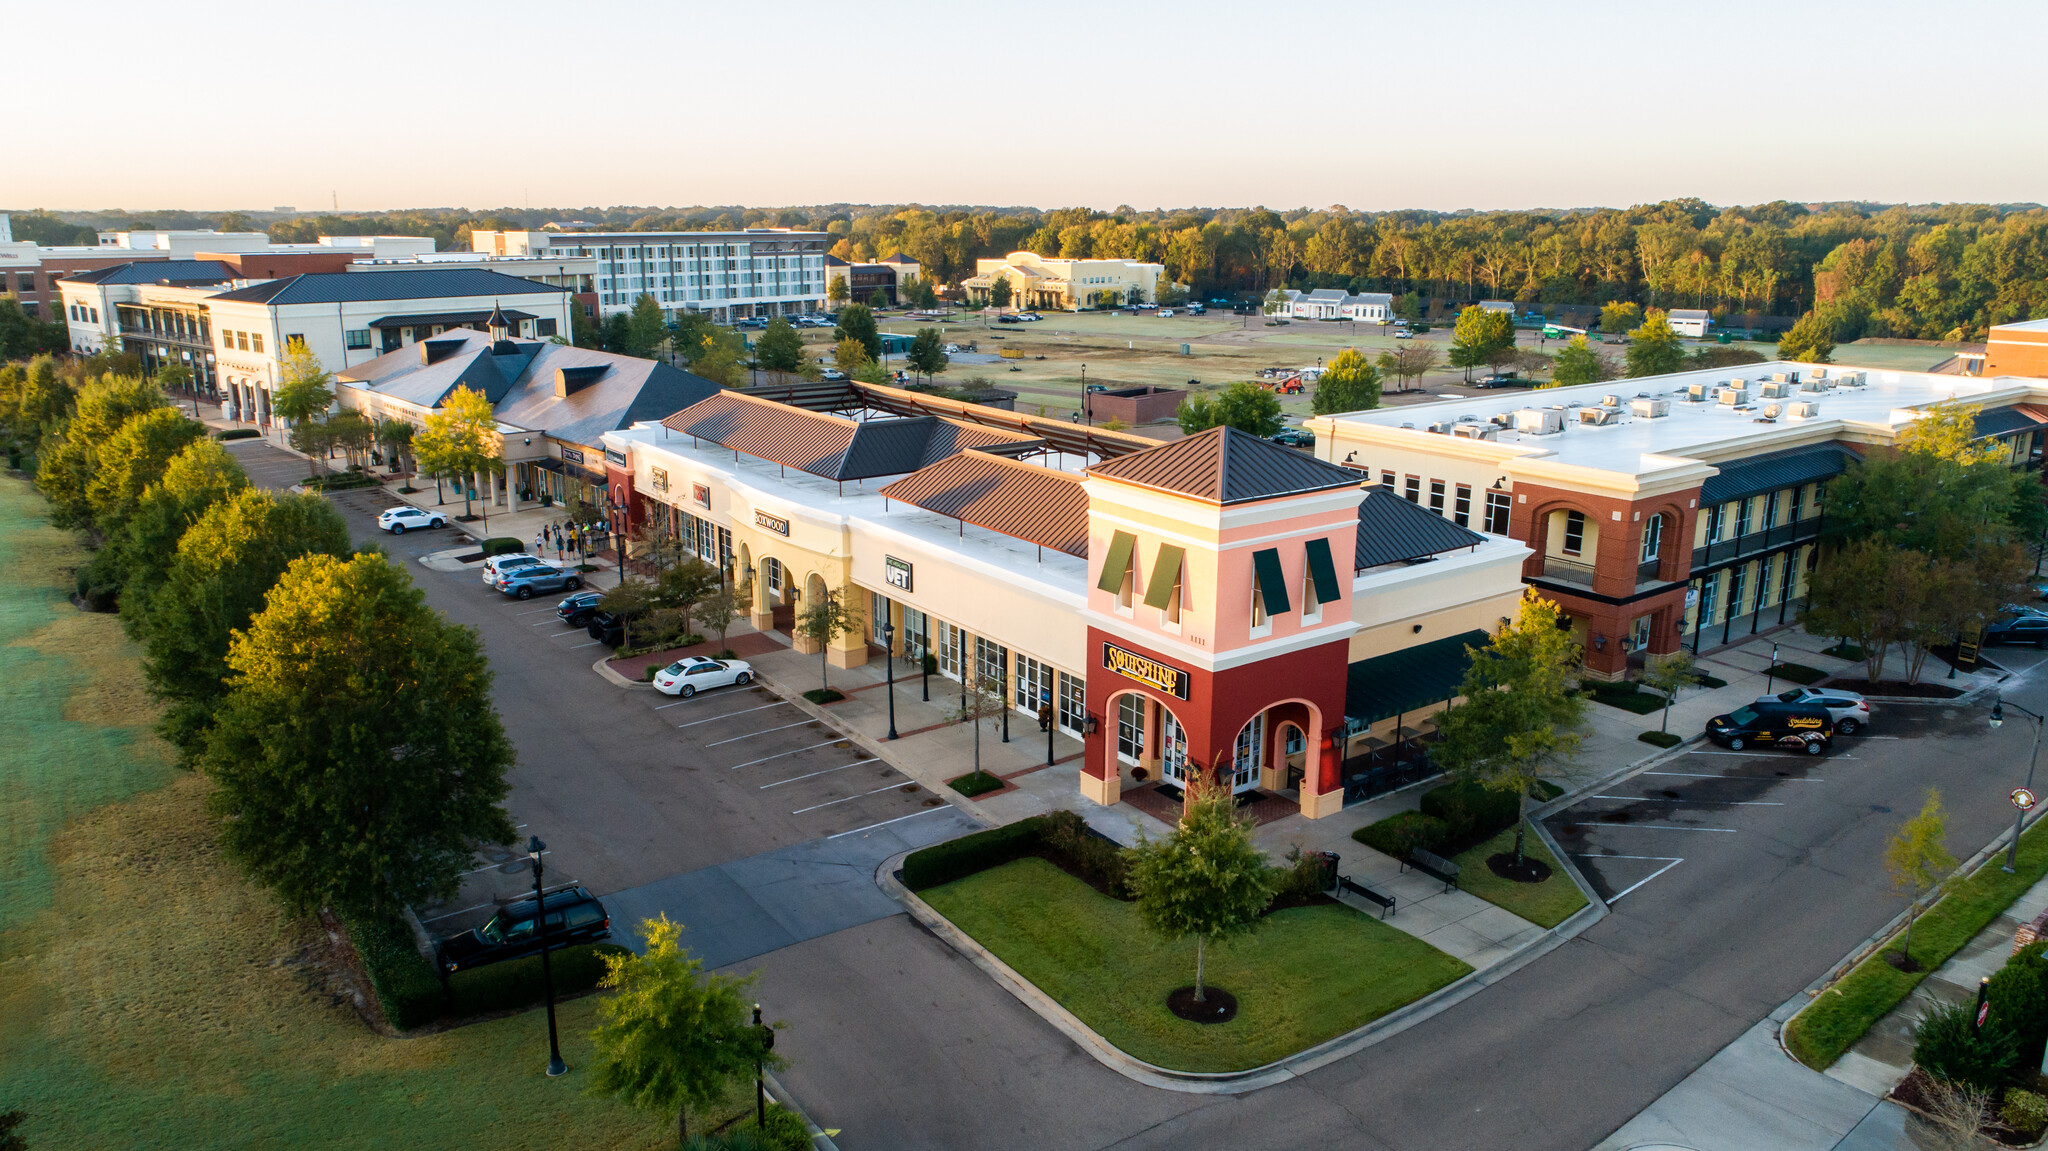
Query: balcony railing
{"type": "Point", "coordinates": [1646, 571]}
{"type": "Point", "coordinates": [1568, 571]}
{"type": "Point", "coordinates": [1753, 543]}
{"type": "Point", "coordinates": [190, 339]}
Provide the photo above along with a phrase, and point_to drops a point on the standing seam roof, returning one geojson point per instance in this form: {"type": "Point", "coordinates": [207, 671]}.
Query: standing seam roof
{"type": "Point", "coordinates": [1022, 501]}
{"type": "Point", "coordinates": [834, 447]}
{"type": "Point", "coordinates": [1776, 470]}
{"type": "Point", "coordinates": [1392, 530]}
{"type": "Point", "coordinates": [1226, 466]}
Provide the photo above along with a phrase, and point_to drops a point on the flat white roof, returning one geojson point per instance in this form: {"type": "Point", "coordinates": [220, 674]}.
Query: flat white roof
{"type": "Point", "coordinates": [2022, 326]}
{"type": "Point", "coordinates": [1708, 431]}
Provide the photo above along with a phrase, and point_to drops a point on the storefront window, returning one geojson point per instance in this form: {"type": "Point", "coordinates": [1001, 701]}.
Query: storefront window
{"type": "Point", "coordinates": [1245, 762]}
{"type": "Point", "coordinates": [915, 638]}
{"type": "Point", "coordinates": [1073, 703]}
{"type": "Point", "coordinates": [1034, 684]}
{"type": "Point", "coordinates": [1173, 749]}
{"type": "Point", "coordinates": [991, 663]}
{"type": "Point", "coordinates": [1130, 727]}
{"type": "Point", "coordinates": [878, 618]}
{"type": "Point", "coordinates": [950, 641]}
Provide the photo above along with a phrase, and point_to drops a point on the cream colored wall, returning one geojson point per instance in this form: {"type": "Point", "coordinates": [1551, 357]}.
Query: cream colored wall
{"type": "Point", "coordinates": [1553, 544]}
{"type": "Point", "coordinates": [1450, 596]}
{"type": "Point", "coordinates": [1027, 618]}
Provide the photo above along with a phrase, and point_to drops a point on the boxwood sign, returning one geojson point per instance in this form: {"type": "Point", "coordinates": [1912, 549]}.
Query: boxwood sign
{"type": "Point", "coordinates": [775, 524]}
{"type": "Point", "coordinates": [1130, 664]}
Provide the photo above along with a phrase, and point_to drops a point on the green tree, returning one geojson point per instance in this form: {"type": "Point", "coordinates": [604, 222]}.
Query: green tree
{"type": "Point", "coordinates": [917, 292]}
{"type": "Point", "coordinates": [1811, 341]}
{"type": "Point", "coordinates": [780, 348]}
{"type": "Point", "coordinates": [1868, 592]}
{"type": "Point", "coordinates": [981, 701]}
{"type": "Point", "coordinates": [724, 604]}
{"type": "Point", "coordinates": [681, 588]}
{"type": "Point", "coordinates": [1249, 408]}
{"type": "Point", "coordinates": [1484, 331]}
{"type": "Point", "coordinates": [1917, 861]}
{"type": "Point", "coordinates": [71, 452]}
{"type": "Point", "coordinates": [1407, 362]}
{"type": "Point", "coordinates": [226, 563]}
{"type": "Point", "coordinates": [1409, 306]}
{"type": "Point", "coordinates": [857, 322]}
{"type": "Point", "coordinates": [23, 335]}
{"type": "Point", "coordinates": [632, 600]}
{"type": "Point", "coordinates": [823, 620]}
{"type": "Point", "coordinates": [1206, 879]}
{"type": "Point", "coordinates": [849, 354]}
{"type": "Point", "coordinates": [1620, 317]}
{"type": "Point", "coordinates": [132, 459]}
{"type": "Point", "coordinates": [303, 394]}
{"type": "Point", "coordinates": [878, 300]}
{"type": "Point", "coordinates": [197, 478]}
{"type": "Point", "coordinates": [1465, 357]}
{"type": "Point", "coordinates": [357, 757]}
{"type": "Point", "coordinates": [720, 362]}
{"type": "Point", "coordinates": [645, 329]}
{"type": "Point", "coordinates": [1350, 383]}
{"type": "Point", "coordinates": [999, 291]}
{"type": "Point", "coordinates": [1521, 704]}
{"type": "Point", "coordinates": [1944, 492]}
{"type": "Point", "coordinates": [396, 436]}
{"type": "Point", "coordinates": [671, 1037]}
{"type": "Point", "coordinates": [35, 399]}
{"type": "Point", "coordinates": [1655, 349]}
{"type": "Point", "coordinates": [837, 292]}
{"type": "Point", "coordinates": [870, 372]}
{"type": "Point", "coordinates": [616, 333]}
{"type": "Point", "coordinates": [1666, 675]}
{"type": "Point", "coordinates": [1578, 363]}
{"type": "Point", "coordinates": [927, 355]}
{"type": "Point", "coordinates": [461, 441]}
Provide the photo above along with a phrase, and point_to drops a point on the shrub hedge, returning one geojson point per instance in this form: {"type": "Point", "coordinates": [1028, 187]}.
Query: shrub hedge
{"type": "Point", "coordinates": [410, 993]}
{"type": "Point", "coordinates": [502, 546]}
{"type": "Point", "coordinates": [958, 858]}
{"type": "Point", "coordinates": [1452, 818]}
{"type": "Point", "coordinates": [1093, 857]}
{"type": "Point", "coordinates": [1661, 738]}
{"type": "Point", "coordinates": [236, 434]}
{"type": "Point", "coordinates": [517, 983]}
{"type": "Point", "coordinates": [1397, 835]}
{"type": "Point", "coordinates": [406, 986]}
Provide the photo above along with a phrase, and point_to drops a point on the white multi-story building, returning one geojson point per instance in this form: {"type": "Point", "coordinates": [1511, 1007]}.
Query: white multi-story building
{"type": "Point", "coordinates": [192, 243]}
{"type": "Point", "coordinates": [729, 275]}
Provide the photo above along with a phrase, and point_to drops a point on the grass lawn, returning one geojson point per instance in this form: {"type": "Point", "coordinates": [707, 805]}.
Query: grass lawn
{"type": "Point", "coordinates": [1545, 904]}
{"type": "Point", "coordinates": [152, 996]}
{"type": "Point", "coordinates": [1094, 955]}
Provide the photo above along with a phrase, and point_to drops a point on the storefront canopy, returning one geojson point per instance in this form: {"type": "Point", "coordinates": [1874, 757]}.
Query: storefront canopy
{"type": "Point", "coordinates": [1408, 680]}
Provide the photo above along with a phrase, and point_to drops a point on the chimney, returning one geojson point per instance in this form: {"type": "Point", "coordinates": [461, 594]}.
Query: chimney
{"type": "Point", "coordinates": [569, 381]}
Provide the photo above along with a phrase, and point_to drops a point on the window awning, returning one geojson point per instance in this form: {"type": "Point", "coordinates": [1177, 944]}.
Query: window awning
{"type": "Point", "coordinates": [1165, 574]}
{"type": "Point", "coordinates": [1323, 571]}
{"type": "Point", "coordinates": [1409, 679]}
{"type": "Point", "coordinates": [1272, 584]}
{"type": "Point", "coordinates": [1116, 562]}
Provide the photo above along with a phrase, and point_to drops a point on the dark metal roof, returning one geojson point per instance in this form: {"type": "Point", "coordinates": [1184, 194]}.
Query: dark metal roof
{"type": "Point", "coordinates": [2005, 421]}
{"type": "Point", "coordinates": [446, 318]}
{"type": "Point", "coordinates": [1409, 679]}
{"type": "Point", "coordinates": [354, 287]}
{"type": "Point", "coordinates": [159, 272]}
{"type": "Point", "coordinates": [1226, 466]}
{"type": "Point", "coordinates": [834, 447]}
{"type": "Point", "coordinates": [1022, 501]}
{"type": "Point", "coordinates": [1768, 473]}
{"type": "Point", "coordinates": [849, 396]}
{"type": "Point", "coordinates": [1392, 530]}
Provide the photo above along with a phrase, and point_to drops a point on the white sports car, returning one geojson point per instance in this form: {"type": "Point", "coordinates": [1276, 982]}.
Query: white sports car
{"type": "Point", "coordinates": [687, 677]}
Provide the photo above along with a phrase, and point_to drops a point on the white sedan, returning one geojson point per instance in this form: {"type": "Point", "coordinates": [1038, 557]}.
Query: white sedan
{"type": "Point", "coordinates": [687, 677]}
{"type": "Point", "coordinates": [397, 520]}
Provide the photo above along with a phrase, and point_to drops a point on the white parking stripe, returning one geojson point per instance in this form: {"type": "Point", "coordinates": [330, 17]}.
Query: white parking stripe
{"type": "Point", "coordinates": [1717, 775]}
{"type": "Point", "coordinates": [887, 822]}
{"type": "Point", "coordinates": [1668, 799]}
{"type": "Point", "coordinates": [580, 646]}
{"type": "Point", "coordinates": [726, 715]}
{"type": "Point", "coordinates": [453, 914]}
{"type": "Point", "coordinates": [1754, 754]}
{"type": "Point", "coordinates": [1604, 826]}
{"type": "Point", "coordinates": [780, 754]}
{"type": "Point", "coordinates": [848, 799]}
{"type": "Point", "coordinates": [809, 775]}
{"type": "Point", "coordinates": [500, 863]}
{"type": "Point", "coordinates": [571, 631]}
{"type": "Point", "coordinates": [750, 735]}
{"type": "Point", "coordinates": [1674, 861]}
{"type": "Point", "coordinates": [537, 611]}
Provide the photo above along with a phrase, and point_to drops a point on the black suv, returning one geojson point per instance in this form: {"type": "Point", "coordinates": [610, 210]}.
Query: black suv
{"type": "Point", "coordinates": [577, 609]}
{"type": "Point", "coordinates": [2028, 627]}
{"type": "Point", "coordinates": [1807, 727]}
{"type": "Point", "coordinates": [574, 916]}
{"type": "Point", "coordinates": [608, 628]}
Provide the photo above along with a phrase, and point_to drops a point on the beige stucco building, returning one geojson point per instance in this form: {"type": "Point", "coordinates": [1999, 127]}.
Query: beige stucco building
{"type": "Point", "coordinates": [1067, 285]}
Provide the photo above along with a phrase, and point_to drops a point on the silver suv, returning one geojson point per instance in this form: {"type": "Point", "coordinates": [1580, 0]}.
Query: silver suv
{"type": "Point", "coordinates": [526, 579]}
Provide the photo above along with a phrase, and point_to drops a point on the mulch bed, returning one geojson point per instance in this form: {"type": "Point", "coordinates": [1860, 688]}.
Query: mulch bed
{"type": "Point", "coordinates": [1532, 870]}
{"type": "Point", "coordinates": [1217, 1005]}
{"type": "Point", "coordinates": [744, 645]}
{"type": "Point", "coordinates": [1892, 687]}
{"type": "Point", "coordinates": [1911, 1093]}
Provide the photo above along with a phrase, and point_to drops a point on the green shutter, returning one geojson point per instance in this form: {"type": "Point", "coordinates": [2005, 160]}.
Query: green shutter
{"type": "Point", "coordinates": [1120, 547]}
{"type": "Point", "coordinates": [1165, 570]}
{"type": "Point", "coordinates": [1322, 570]}
{"type": "Point", "coordinates": [1272, 585]}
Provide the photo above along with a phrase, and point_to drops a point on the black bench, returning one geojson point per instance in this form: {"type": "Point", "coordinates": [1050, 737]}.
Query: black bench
{"type": "Point", "coordinates": [1433, 865]}
{"type": "Point", "coordinates": [1386, 902]}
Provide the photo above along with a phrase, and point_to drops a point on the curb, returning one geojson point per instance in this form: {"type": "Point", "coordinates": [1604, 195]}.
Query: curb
{"type": "Point", "coordinates": [820, 1141]}
{"type": "Point", "coordinates": [1227, 1082]}
{"type": "Point", "coordinates": [603, 667]}
{"type": "Point", "coordinates": [1544, 811]}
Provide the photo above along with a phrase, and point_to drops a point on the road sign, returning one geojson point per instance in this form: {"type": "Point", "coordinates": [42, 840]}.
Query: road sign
{"type": "Point", "coordinates": [2023, 799]}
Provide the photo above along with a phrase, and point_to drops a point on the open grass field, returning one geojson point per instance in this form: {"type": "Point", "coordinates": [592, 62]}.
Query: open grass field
{"type": "Point", "coordinates": [150, 996]}
{"type": "Point", "coordinates": [1094, 955]}
{"type": "Point", "coordinates": [1545, 904]}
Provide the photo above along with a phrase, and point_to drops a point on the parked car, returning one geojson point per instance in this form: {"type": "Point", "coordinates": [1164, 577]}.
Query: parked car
{"type": "Point", "coordinates": [1196, 309]}
{"type": "Point", "coordinates": [1806, 727]}
{"type": "Point", "coordinates": [524, 580]}
{"type": "Point", "coordinates": [1404, 334]}
{"type": "Point", "coordinates": [1296, 438]}
{"type": "Point", "coordinates": [1505, 380]}
{"type": "Point", "coordinates": [498, 564]}
{"type": "Point", "coordinates": [1851, 711]}
{"type": "Point", "coordinates": [397, 520]}
{"type": "Point", "coordinates": [1006, 318]}
{"type": "Point", "coordinates": [834, 375]}
{"type": "Point", "coordinates": [2027, 627]}
{"type": "Point", "coordinates": [577, 609]}
{"type": "Point", "coordinates": [1028, 317]}
{"type": "Point", "coordinates": [687, 677]}
{"type": "Point", "coordinates": [1166, 313]}
{"type": "Point", "coordinates": [952, 349]}
{"type": "Point", "coordinates": [573, 916]}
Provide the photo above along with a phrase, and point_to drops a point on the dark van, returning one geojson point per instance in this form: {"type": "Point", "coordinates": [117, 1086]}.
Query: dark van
{"type": "Point", "coordinates": [1803, 726]}
{"type": "Point", "coordinates": [574, 916]}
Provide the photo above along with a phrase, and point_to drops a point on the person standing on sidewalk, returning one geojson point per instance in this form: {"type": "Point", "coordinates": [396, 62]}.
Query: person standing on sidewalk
{"type": "Point", "coordinates": [539, 543]}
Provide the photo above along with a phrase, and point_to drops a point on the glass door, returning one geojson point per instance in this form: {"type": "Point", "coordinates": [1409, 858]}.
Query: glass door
{"type": "Point", "coordinates": [1173, 750]}
{"type": "Point", "coordinates": [1251, 740]}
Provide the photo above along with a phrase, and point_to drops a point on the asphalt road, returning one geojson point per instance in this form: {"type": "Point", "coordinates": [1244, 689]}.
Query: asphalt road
{"type": "Point", "coordinates": [901, 1044]}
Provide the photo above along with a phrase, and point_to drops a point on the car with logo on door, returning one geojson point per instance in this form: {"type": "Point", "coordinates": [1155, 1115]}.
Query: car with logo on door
{"type": "Point", "coordinates": [1803, 727]}
{"type": "Point", "coordinates": [687, 677]}
{"type": "Point", "coordinates": [1850, 710]}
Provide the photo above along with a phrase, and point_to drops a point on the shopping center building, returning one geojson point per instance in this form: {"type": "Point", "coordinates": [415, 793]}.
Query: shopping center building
{"type": "Point", "coordinates": [1670, 510]}
{"type": "Point", "coordinates": [1215, 604]}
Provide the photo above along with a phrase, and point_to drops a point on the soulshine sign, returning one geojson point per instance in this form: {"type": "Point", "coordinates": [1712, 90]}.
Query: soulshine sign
{"type": "Point", "coordinates": [1151, 672]}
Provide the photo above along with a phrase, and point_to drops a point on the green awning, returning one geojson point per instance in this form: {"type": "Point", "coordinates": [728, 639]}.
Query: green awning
{"type": "Point", "coordinates": [1165, 573]}
{"type": "Point", "coordinates": [1322, 570]}
{"type": "Point", "coordinates": [1408, 680]}
{"type": "Point", "coordinates": [1272, 585]}
{"type": "Point", "coordinates": [1116, 561]}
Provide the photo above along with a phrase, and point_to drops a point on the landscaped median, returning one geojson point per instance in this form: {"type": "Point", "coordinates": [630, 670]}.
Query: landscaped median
{"type": "Point", "coordinates": [1314, 970]}
{"type": "Point", "coordinates": [1842, 1013]}
{"type": "Point", "coordinates": [1474, 826]}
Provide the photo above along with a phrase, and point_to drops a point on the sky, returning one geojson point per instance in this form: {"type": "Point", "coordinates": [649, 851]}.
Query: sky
{"type": "Point", "coordinates": [374, 104]}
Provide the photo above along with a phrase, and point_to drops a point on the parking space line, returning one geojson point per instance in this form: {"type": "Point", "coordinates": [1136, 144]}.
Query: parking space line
{"type": "Point", "coordinates": [848, 799]}
{"type": "Point", "coordinates": [537, 611]}
{"type": "Point", "coordinates": [780, 754]}
{"type": "Point", "coordinates": [1648, 827]}
{"type": "Point", "coordinates": [501, 863]}
{"type": "Point", "coordinates": [1718, 775]}
{"type": "Point", "coordinates": [887, 822]}
{"type": "Point", "coordinates": [726, 715]}
{"type": "Point", "coordinates": [1616, 897]}
{"type": "Point", "coordinates": [1668, 799]}
{"type": "Point", "coordinates": [592, 643]}
{"type": "Point", "coordinates": [1754, 755]}
{"type": "Point", "coordinates": [750, 735]}
{"type": "Point", "coordinates": [453, 914]}
{"type": "Point", "coordinates": [811, 775]}
{"type": "Point", "coordinates": [571, 631]}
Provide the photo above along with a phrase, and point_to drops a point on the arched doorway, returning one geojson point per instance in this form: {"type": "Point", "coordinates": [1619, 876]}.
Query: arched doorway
{"type": "Point", "coordinates": [1147, 743]}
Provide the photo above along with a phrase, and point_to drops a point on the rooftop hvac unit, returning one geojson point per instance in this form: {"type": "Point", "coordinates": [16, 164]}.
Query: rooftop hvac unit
{"type": "Point", "coordinates": [1803, 410]}
{"type": "Point", "coordinates": [1773, 411]}
{"type": "Point", "coordinates": [1610, 401]}
{"type": "Point", "coordinates": [1820, 374]}
{"type": "Point", "coordinates": [1599, 417]}
{"type": "Point", "coordinates": [1783, 377]}
{"type": "Point", "coordinates": [1476, 431]}
{"type": "Point", "coordinates": [1502, 419]}
{"type": "Point", "coordinates": [1442, 427]}
{"type": "Point", "coordinates": [1733, 397]}
{"type": "Point", "coordinates": [1776, 391]}
{"type": "Point", "coordinates": [1734, 382]}
{"type": "Point", "coordinates": [1815, 385]}
{"type": "Point", "coordinates": [1649, 409]}
{"type": "Point", "coordinates": [1851, 379]}
{"type": "Point", "coordinates": [1539, 421]}
{"type": "Point", "coordinates": [1696, 393]}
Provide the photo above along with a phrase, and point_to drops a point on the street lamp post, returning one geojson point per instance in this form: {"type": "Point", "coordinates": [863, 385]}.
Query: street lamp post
{"type": "Point", "coordinates": [534, 849]}
{"type": "Point", "coordinates": [1051, 721]}
{"type": "Point", "coordinates": [2019, 821]}
{"type": "Point", "coordinates": [924, 659]}
{"type": "Point", "coordinates": [1087, 408]}
{"type": "Point", "coordinates": [889, 647]}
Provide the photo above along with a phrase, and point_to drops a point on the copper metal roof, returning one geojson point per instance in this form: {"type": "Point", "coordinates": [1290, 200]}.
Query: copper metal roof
{"type": "Point", "coordinates": [835, 447]}
{"type": "Point", "coordinates": [1023, 501]}
{"type": "Point", "coordinates": [1226, 466]}
{"type": "Point", "coordinates": [850, 396]}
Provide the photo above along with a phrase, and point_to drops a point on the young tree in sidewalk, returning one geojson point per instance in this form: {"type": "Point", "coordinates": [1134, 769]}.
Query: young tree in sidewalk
{"type": "Point", "coordinates": [460, 441]}
{"type": "Point", "coordinates": [681, 588]}
{"type": "Point", "coordinates": [632, 600]}
{"type": "Point", "coordinates": [1667, 674]}
{"type": "Point", "coordinates": [1206, 879]}
{"type": "Point", "coordinates": [1350, 383]}
{"type": "Point", "coordinates": [1521, 706]}
{"type": "Point", "coordinates": [1917, 863]}
{"type": "Point", "coordinates": [671, 1037]}
{"type": "Point", "coordinates": [357, 755]}
{"type": "Point", "coordinates": [1868, 592]}
{"type": "Point", "coordinates": [396, 436]}
{"type": "Point", "coordinates": [823, 620]}
{"type": "Point", "coordinates": [302, 396]}
{"type": "Point", "coordinates": [717, 610]}
{"type": "Point", "coordinates": [981, 700]}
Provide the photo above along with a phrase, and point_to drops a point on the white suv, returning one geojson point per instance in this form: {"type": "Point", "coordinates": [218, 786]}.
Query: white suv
{"type": "Point", "coordinates": [397, 520]}
{"type": "Point", "coordinates": [1851, 711]}
{"type": "Point", "coordinates": [498, 565]}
